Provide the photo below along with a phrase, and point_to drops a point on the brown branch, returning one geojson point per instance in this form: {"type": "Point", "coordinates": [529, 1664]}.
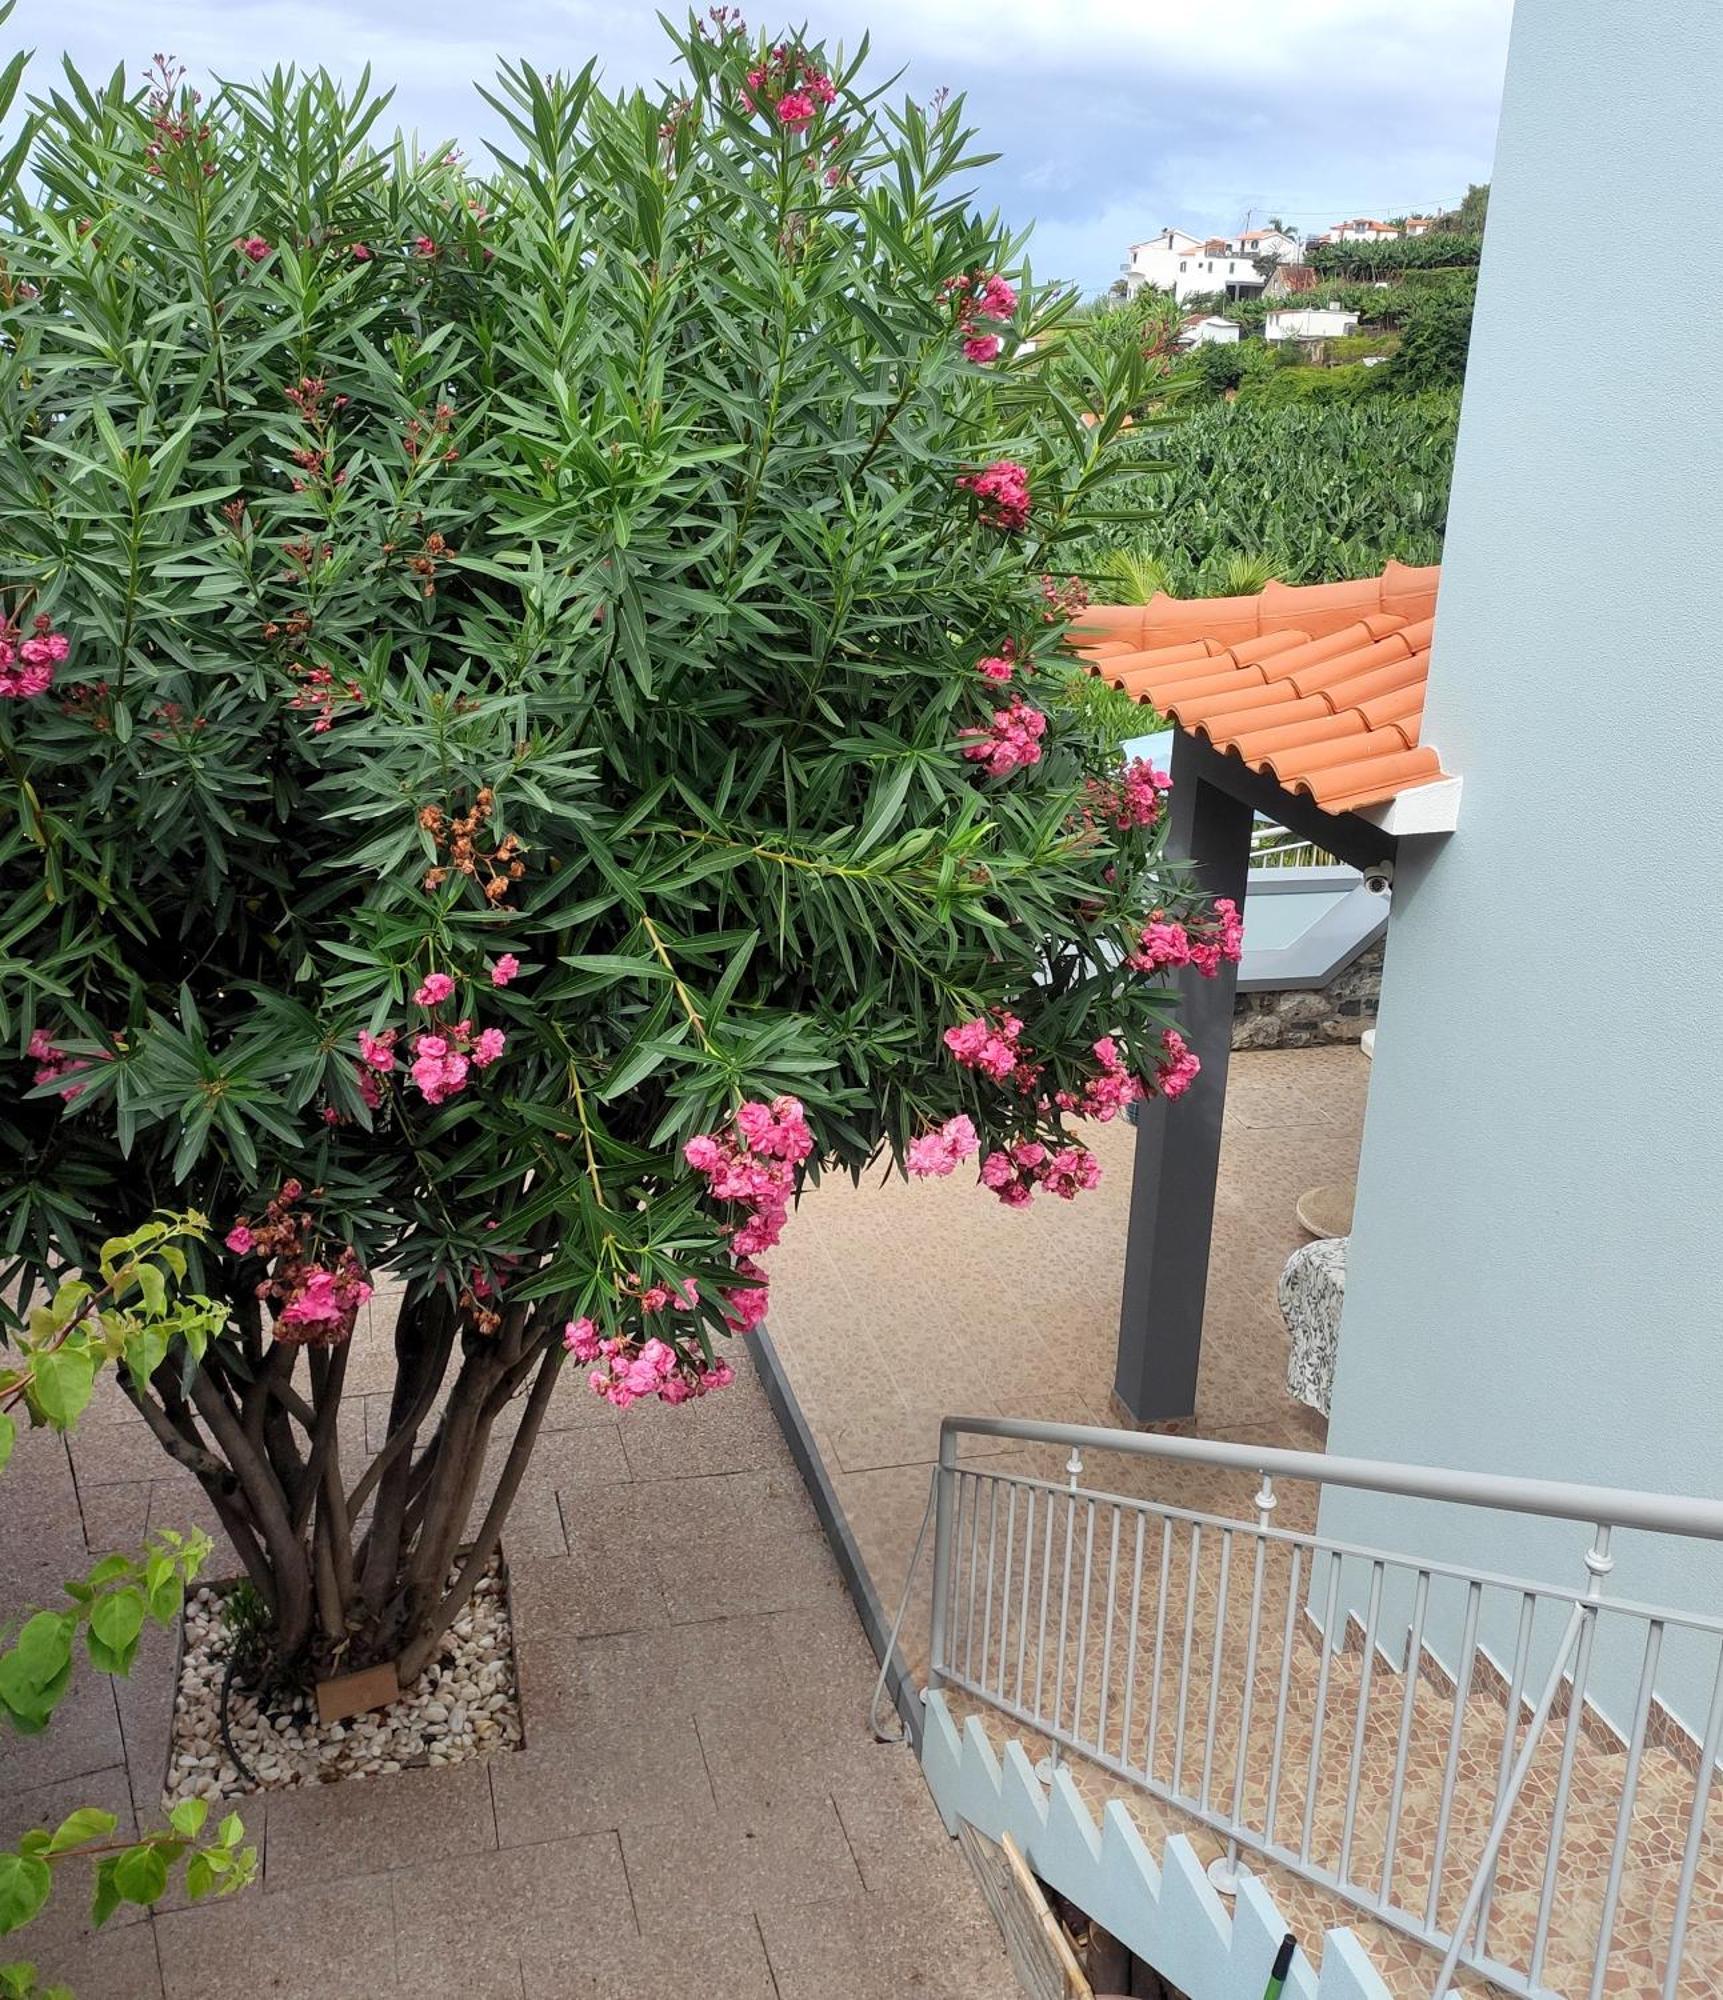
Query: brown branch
{"type": "Point", "coordinates": [424, 1641]}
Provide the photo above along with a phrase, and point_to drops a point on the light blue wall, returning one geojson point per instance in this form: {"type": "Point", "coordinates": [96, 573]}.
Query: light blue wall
{"type": "Point", "coordinates": [1535, 1282]}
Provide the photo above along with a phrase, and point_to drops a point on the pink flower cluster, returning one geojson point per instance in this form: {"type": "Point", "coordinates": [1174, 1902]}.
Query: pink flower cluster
{"type": "Point", "coordinates": [27, 665]}
{"type": "Point", "coordinates": [318, 1301]}
{"type": "Point", "coordinates": [630, 1371]}
{"type": "Point", "coordinates": [53, 1063]}
{"type": "Point", "coordinates": [1010, 741]}
{"type": "Point", "coordinates": [1179, 1066]}
{"type": "Point", "coordinates": [441, 1061]}
{"type": "Point", "coordinates": [1134, 799]}
{"type": "Point", "coordinates": [753, 1168]}
{"type": "Point", "coordinates": [790, 86]}
{"type": "Point", "coordinates": [324, 1303]}
{"type": "Point", "coordinates": [1003, 490]}
{"type": "Point", "coordinates": [321, 694]}
{"type": "Point", "coordinates": [1064, 600]}
{"type": "Point", "coordinates": [1025, 1165]}
{"type": "Point", "coordinates": [254, 248]}
{"type": "Point", "coordinates": [1164, 944]}
{"type": "Point", "coordinates": [978, 298]}
{"type": "Point", "coordinates": [941, 1152]}
{"type": "Point", "coordinates": [1106, 1094]}
{"type": "Point", "coordinates": [991, 1046]}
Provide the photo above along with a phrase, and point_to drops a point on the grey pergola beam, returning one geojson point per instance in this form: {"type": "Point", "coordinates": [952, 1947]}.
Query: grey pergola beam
{"type": "Point", "coordinates": [1215, 800]}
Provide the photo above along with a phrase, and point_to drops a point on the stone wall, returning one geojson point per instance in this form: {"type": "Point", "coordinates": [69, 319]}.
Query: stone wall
{"type": "Point", "coordinates": [1305, 1016]}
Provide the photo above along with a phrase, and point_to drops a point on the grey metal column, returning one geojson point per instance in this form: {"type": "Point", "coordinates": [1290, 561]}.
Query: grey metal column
{"type": "Point", "coordinates": [1178, 1144]}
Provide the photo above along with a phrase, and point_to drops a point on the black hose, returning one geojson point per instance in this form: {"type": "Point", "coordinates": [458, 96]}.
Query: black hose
{"type": "Point", "coordinates": [223, 1720]}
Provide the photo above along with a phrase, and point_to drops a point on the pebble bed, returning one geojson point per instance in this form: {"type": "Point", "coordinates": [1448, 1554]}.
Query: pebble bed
{"type": "Point", "coordinates": [464, 1705]}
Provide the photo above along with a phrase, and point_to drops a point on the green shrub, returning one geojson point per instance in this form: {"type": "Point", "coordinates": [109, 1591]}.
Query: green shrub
{"type": "Point", "coordinates": [1435, 342]}
{"type": "Point", "coordinates": [515, 712]}
{"type": "Point", "coordinates": [1396, 255]}
{"type": "Point", "coordinates": [1298, 382]}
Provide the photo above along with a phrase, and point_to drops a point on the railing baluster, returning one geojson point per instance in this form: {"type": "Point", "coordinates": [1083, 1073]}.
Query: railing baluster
{"type": "Point", "coordinates": [1510, 1736]}
{"type": "Point", "coordinates": [1046, 1585]}
{"type": "Point", "coordinates": [987, 1601]}
{"type": "Point", "coordinates": [1624, 1820]}
{"type": "Point", "coordinates": [1185, 1658]}
{"type": "Point", "coordinates": [1403, 1743]}
{"type": "Point", "coordinates": [1319, 1719]}
{"type": "Point", "coordinates": [1695, 1836]}
{"type": "Point", "coordinates": [1107, 1647]}
{"type": "Point", "coordinates": [1005, 1584]}
{"type": "Point", "coordinates": [1265, 1505]}
{"type": "Point", "coordinates": [1065, 1605]}
{"type": "Point", "coordinates": [1083, 1626]}
{"type": "Point", "coordinates": [1598, 1562]}
{"type": "Point", "coordinates": [1023, 1602]}
{"type": "Point", "coordinates": [1218, 1653]}
{"type": "Point", "coordinates": [1295, 1576]}
{"type": "Point", "coordinates": [1450, 1771]}
{"type": "Point", "coordinates": [974, 1572]}
{"type": "Point", "coordinates": [1160, 1638]}
{"type": "Point", "coordinates": [1355, 1771]}
{"type": "Point", "coordinates": [1564, 1781]}
{"type": "Point", "coordinates": [1131, 1650]}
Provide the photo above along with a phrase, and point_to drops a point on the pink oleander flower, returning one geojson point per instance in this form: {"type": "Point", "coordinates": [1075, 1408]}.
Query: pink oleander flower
{"type": "Point", "coordinates": [1003, 490]}
{"type": "Point", "coordinates": [1011, 741]}
{"type": "Point", "coordinates": [702, 1153]}
{"type": "Point", "coordinates": [1105, 1095]}
{"type": "Point", "coordinates": [27, 665]}
{"type": "Point", "coordinates": [943, 1151]}
{"type": "Point", "coordinates": [996, 299]}
{"type": "Point", "coordinates": [360, 253]}
{"type": "Point", "coordinates": [435, 990]}
{"type": "Point", "coordinates": [981, 348]}
{"type": "Point", "coordinates": [1135, 799]}
{"type": "Point", "coordinates": [1221, 940]}
{"type": "Point", "coordinates": [438, 1070]}
{"type": "Point", "coordinates": [580, 1337]}
{"type": "Point", "coordinates": [818, 86]}
{"type": "Point", "coordinates": [370, 1090]}
{"type": "Point", "coordinates": [1162, 944]}
{"type": "Point", "coordinates": [323, 1304]}
{"type": "Point", "coordinates": [996, 667]}
{"type": "Point", "coordinates": [239, 1239]}
{"type": "Point", "coordinates": [991, 1047]}
{"type": "Point", "coordinates": [796, 109]}
{"type": "Point", "coordinates": [256, 248]}
{"type": "Point", "coordinates": [424, 246]}
{"type": "Point", "coordinates": [377, 1052]}
{"type": "Point", "coordinates": [505, 969]}
{"type": "Point", "coordinates": [1179, 1066]}
{"type": "Point", "coordinates": [489, 1047]}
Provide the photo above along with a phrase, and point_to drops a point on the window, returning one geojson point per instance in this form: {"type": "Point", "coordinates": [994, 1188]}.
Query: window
{"type": "Point", "coordinates": [1181, 264]}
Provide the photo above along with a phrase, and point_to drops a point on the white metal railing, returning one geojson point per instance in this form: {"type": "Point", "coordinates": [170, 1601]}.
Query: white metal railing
{"type": "Point", "coordinates": [1119, 1627]}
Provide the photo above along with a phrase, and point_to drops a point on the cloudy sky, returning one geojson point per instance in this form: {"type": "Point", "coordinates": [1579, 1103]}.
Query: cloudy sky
{"type": "Point", "coordinates": [1114, 117]}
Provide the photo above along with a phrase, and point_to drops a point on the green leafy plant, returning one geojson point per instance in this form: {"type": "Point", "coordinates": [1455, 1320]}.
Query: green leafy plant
{"type": "Point", "coordinates": [1440, 250]}
{"type": "Point", "coordinates": [128, 1320]}
{"type": "Point", "coordinates": [1435, 343]}
{"type": "Point", "coordinates": [523, 735]}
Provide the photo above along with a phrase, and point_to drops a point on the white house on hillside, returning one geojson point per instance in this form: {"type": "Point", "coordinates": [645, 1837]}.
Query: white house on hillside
{"type": "Point", "coordinates": [1210, 332]}
{"type": "Point", "coordinates": [1280, 243]}
{"type": "Point", "coordinates": [1176, 261]}
{"type": "Point", "coordinates": [1309, 323]}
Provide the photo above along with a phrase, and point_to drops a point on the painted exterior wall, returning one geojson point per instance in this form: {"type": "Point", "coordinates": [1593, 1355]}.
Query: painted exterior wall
{"type": "Point", "coordinates": [1179, 264]}
{"type": "Point", "coordinates": [1535, 1281]}
{"type": "Point", "coordinates": [1309, 323]}
{"type": "Point", "coordinates": [1211, 332]}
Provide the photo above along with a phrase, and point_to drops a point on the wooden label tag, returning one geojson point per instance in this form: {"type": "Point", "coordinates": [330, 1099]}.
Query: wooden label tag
{"type": "Point", "coordinates": [357, 1694]}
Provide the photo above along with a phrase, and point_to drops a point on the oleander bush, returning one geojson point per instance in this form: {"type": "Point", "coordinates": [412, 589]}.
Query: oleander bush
{"type": "Point", "coordinates": [534, 721]}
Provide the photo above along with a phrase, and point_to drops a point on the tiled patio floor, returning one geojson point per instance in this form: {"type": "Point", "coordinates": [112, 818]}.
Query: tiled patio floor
{"type": "Point", "coordinates": [699, 1807]}
{"type": "Point", "coordinates": [893, 1305]}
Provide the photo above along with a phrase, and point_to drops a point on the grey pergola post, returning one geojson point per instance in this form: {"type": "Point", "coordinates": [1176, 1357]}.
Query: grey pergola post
{"type": "Point", "coordinates": [1178, 1143]}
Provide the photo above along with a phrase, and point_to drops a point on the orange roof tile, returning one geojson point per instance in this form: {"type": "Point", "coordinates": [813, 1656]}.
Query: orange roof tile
{"type": "Point", "coordinates": [1319, 686]}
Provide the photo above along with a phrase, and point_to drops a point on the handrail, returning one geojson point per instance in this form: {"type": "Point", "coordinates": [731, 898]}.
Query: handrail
{"type": "Point", "coordinates": [1621, 1507]}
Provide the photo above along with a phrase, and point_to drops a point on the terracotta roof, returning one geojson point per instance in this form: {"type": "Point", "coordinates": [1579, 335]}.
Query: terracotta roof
{"type": "Point", "coordinates": [1296, 277]}
{"type": "Point", "coordinates": [1320, 686]}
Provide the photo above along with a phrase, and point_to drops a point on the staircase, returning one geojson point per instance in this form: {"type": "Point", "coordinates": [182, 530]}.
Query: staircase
{"type": "Point", "coordinates": [1223, 1729]}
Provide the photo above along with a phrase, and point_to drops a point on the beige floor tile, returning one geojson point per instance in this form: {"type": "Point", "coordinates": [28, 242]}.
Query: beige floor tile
{"type": "Point", "coordinates": [795, 1854]}
{"type": "Point", "coordinates": [333, 1833]}
{"type": "Point", "coordinates": [723, 1960]}
{"type": "Point", "coordinates": [332, 1942]}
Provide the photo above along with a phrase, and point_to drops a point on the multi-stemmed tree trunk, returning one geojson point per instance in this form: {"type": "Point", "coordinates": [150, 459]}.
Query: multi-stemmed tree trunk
{"type": "Point", "coordinates": [358, 1563]}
